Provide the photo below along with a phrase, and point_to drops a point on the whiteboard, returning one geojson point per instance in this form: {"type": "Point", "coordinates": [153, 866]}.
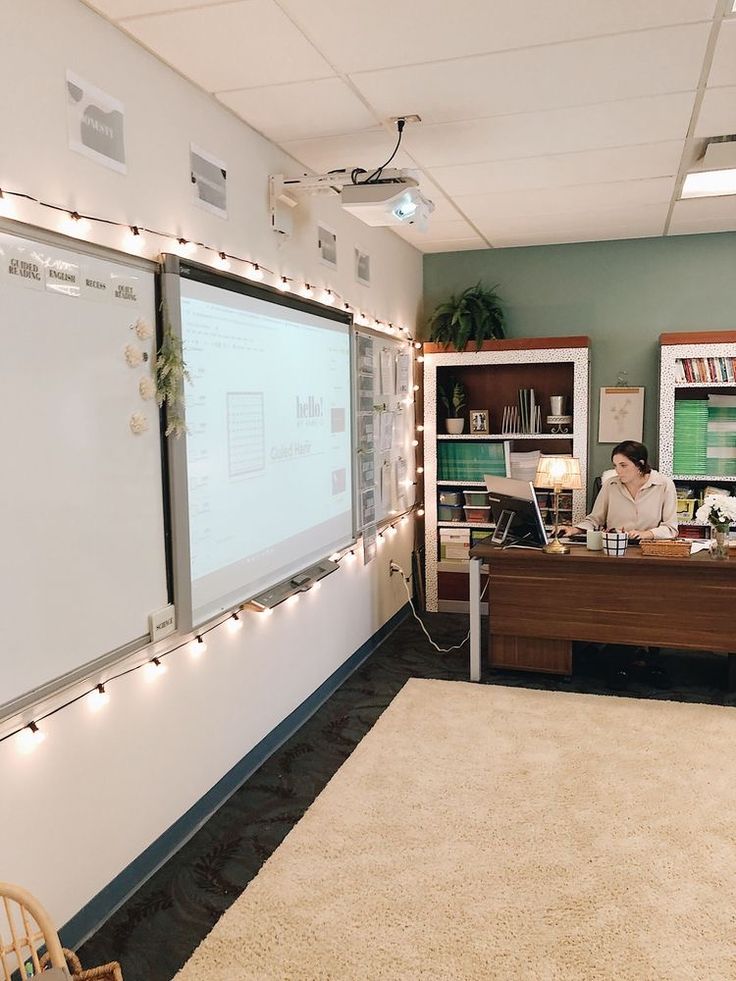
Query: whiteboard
{"type": "Point", "coordinates": [385, 426]}
{"type": "Point", "coordinates": [83, 553]}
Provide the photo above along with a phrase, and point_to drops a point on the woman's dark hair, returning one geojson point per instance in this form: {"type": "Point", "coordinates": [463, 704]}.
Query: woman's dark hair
{"type": "Point", "coordinates": [636, 452]}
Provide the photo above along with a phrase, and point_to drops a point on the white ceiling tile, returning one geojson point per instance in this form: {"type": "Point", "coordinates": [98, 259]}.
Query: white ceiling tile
{"type": "Point", "coordinates": [704, 215]}
{"type": "Point", "coordinates": [569, 238]}
{"type": "Point", "coordinates": [648, 218]}
{"type": "Point", "coordinates": [571, 202]}
{"type": "Point", "coordinates": [717, 116]}
{"type": "Point", "coordinates": [231, 46]}
{"type": "Point", "coordinates": [116, 9]}
{"type": "Point", "coordinates": [723, 69]}
{"type": "Point", "coordinates": [466, 245]}
{"type": "Point", "coordinates": [368, 149]}
{"type": "Point", "coordinates": [560, 170]}
{"type": "Point", "coordinates": [277, 111]}
{"type": "Point", "coordinates": [611, 124]}
{"type": "Point", "coordinates": [582, 72]}
{"type": "Point", "coordinates": [385, 33]}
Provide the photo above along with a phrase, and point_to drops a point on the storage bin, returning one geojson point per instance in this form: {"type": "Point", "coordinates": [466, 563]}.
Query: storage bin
{"type": "Point", "coordinates": [476, 498]}
{"type": "Point", "coordinates": [451, 497]}
{"type": "Point", "coordinates": [449, 512]}
{"type": "Point", "coordinates": [477, 513]}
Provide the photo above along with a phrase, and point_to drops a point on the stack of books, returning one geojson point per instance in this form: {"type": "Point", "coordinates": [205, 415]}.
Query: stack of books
{"type": "Point", "coordinates": [721, 435]}
{"type": "Point", "coordinates": [470, 461]}
{"type": "Point", "coordinates": [705, 370]}
{"type": "Point", "coordinates": [691, 436]}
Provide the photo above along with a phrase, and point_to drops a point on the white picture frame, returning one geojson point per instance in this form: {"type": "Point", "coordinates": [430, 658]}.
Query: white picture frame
{"type": "Point", "coordinates": [327, 246]}
{"type": "Point", "coordinates": [621, 414]}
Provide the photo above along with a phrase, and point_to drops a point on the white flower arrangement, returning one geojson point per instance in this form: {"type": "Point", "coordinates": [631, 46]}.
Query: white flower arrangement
{"type": "Point", "coordinates": [133, 355]}
{"type": "Point", "coordinates": [147, 388]}
{"type": "Point", "coordinates": [143, 330]}
{"type": "Point", "coordinates": [717, 510]}
{"type": "Point", "coordinates": [138, 423]}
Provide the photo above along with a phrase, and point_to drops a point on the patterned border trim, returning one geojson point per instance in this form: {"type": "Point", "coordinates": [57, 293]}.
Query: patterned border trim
{"type": "Point", "coordinates": [580, 358]}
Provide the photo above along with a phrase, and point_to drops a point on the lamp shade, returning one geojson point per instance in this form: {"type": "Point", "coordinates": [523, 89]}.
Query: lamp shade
{"type": "Point", "coordinates": [559, 472]}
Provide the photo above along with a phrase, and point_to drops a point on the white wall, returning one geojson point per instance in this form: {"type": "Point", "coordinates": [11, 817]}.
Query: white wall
{"type": "Point", "coordinates": [102, 787]}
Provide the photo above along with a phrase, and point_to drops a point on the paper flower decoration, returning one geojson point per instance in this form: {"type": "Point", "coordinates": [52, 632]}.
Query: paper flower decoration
{"type": "Point", "coordinates": [143, 330]}
{"type": "Point", "coordinates": [134, 356]}
{"type": "Point", "coordinates": [138, 423]}
{"type": "Point", "coordinates": [147, 388]}
{"type": "Point", "coordinates": [720, 511]}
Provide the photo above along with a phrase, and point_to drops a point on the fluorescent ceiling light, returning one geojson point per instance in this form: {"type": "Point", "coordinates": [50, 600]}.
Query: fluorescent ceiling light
{"type": "Point", "coordinates": [709, 184]}
{"type": "Point", "coordinates": [715, 174]}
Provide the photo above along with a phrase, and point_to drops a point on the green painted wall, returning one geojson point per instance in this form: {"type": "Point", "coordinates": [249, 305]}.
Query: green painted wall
{"type": "Point", "coordinates": [622, 294]}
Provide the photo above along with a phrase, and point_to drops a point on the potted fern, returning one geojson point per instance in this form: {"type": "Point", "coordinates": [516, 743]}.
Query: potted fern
{"type": "Point", "coordinates": [475, 314]}
{"type": "Point", "coordinates": [452, 397]}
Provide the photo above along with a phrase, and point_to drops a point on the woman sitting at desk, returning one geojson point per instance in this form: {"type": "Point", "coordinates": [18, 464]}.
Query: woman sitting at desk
{"type": "Point", "coordinates": [637, 500]}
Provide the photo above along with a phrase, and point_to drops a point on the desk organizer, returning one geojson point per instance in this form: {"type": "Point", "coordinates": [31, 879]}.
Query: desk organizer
{"type": "Point", "coordinates": [665, 546]}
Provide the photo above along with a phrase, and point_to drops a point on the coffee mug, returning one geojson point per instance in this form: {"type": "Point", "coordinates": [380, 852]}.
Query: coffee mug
{"type": "Point", "coordinates": [594, 540]}
{"type": "Point", "coordinates": [615, 542]}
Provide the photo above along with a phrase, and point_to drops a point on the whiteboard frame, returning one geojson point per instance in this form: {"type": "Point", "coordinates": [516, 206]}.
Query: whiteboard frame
{"type": "Point", "coordinates": [18, 705]}
{"type": "Point", "coordinates": [173, 269]}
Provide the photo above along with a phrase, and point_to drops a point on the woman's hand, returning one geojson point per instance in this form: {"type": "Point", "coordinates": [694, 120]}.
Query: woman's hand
{"type": "Point", "coordinates": [564, 531]}
{"type": "Point", "coordinates": [641, 535]}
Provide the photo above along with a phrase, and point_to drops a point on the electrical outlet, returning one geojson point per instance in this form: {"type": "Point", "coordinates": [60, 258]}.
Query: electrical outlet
{"type": "Point", "coordinates": [162, 622]}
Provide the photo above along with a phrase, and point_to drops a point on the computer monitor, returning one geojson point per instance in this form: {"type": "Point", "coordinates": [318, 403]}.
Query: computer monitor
{"type": "Point", "coordinates": [515, 512]}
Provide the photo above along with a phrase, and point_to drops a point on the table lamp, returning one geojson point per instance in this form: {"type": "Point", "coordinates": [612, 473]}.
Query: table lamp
{"type": "Point", "coordinates": [560, 473]}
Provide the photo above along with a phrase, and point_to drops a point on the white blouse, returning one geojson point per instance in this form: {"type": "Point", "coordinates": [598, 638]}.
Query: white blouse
{"type": "Point", "coordinates": [653, 509]}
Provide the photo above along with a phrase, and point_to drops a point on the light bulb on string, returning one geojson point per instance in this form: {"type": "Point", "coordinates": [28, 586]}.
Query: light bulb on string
{"type": "Point", "coordinates": [222, 261]}
{"type": "Point", "coordinates": [134, 241]}
{"type": "Point", "coordinates": [415, 442]}
{"type": "Point", "coordinates": [75, 224]}
{"type": "Point", "coordinates": [420, 469]}
{"type": "Point", "coordinates": [154, 669]}
{"type": "Point", "coordinates": [185, 247]}
{"type": "Point", "coordinates": [197, 646]}
{"type": "Point", "coordinates": [7, 206]}
{"type": "Point", "coordinates": [315, 586]}
{"type": "Point", "coordinates": [420, 359]}
{"type": "Point", "coordinates": [418, 345]}
{"type": "Point", "coordinates": [293, 599]}
{"type": "Point", "coordinates": [420, 428]}
{"type": "Point", "coordinates": [283, 284]}
{"type": "Point", "coordinates": [335, 557]}
{"type": "Point", "coordinates": [328, 297]}
{"type": "Point", "coordinates": [420, 511]}
{"type": "Point", "coordinates": [416, 388]}
{"type": "Point", "coordinates": [392, 531]}
{"type": "Point", "coordinates": [30, 738]}
{"type": "Point", "coordinates": [307, 290]}
{"type": "Point", "coordinates": [350, 557]}
{"type": "Point", "coordinates": [255, 272]}
{"type": "Point", "coordinates": [98, 698]}
{"type": "Point", "coordinates": [234, 623]}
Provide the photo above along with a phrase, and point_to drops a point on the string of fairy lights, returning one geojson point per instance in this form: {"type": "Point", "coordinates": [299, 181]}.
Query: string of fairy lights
{"type": "Point", "coordinates": [78, 224]}
{"type": "Point", "coordinates": [30, 734]}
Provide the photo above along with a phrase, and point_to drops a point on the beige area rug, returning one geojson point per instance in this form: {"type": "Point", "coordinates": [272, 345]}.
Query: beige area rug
{"type": "Point", "coordinates": [482, 832]}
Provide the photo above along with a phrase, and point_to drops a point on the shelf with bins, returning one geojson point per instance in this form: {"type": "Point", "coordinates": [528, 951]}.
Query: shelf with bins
{"type": "Point", "coordinates": [493, 377]}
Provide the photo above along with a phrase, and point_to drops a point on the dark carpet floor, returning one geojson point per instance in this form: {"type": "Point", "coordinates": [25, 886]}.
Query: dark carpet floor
{"type": "Point", "coordinates": [156, 930]}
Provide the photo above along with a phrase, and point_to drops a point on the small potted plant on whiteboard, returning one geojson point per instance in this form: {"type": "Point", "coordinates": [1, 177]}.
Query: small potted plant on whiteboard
{"type": "Point", "coordinates": [452, 396]}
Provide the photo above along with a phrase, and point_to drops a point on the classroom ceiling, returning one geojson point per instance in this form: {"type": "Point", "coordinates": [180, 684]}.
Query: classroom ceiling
{"type": "Point", "coordinates": [542, 122]}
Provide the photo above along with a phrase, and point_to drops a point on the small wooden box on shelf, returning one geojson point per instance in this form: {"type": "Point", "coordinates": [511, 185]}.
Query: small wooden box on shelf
{"type": "Point", "coordinates": [493, 377]}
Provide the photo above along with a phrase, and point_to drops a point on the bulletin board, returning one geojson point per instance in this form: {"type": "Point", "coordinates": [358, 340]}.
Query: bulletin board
{"type": "Point", "coordinates": [81, 495]}
{"type": "Point", "coordinates": [385, 427]}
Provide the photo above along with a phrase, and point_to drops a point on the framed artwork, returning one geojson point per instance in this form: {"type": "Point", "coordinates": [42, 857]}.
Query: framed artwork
{"type": "Point", "coordinates": [362, 267]}
{"type": "Point", "coordinates": [327, 243]}
{"type": "Point", "coordinates": [479, 421]}
{"type": "Point", "coordinates": [621, 415]}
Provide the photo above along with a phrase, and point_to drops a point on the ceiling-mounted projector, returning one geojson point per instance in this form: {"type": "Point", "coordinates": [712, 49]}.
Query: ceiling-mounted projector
{"type": "Point", "coordinates": [397, 202]}
{"type": "Point", "coordinates": [394, 199]}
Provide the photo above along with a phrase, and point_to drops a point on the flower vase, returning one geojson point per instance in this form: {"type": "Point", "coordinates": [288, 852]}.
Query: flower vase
{"type": "Point", "coordinates": [719, 542]}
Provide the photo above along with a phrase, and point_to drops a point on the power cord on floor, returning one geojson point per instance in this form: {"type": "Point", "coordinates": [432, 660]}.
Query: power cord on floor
{"type": "Point", "coordinates": [395, 567]}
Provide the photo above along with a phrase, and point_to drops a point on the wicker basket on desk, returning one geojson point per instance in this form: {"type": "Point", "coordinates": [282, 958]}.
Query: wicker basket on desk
{"type": "Point", "coordinates": [671, 547]}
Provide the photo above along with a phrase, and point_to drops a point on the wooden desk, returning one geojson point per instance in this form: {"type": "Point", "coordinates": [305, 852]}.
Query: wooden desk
{"type": "Point", "coordinates": [538, 604]}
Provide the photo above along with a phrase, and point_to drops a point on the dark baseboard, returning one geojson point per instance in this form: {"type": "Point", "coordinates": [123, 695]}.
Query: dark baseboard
{"type": "Point", "coordinates": [89, 919]}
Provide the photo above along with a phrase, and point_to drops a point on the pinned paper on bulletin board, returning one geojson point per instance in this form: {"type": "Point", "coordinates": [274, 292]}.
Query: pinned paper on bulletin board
{"type": "Point", "coordinates": [621, 415]}
{"type": "Point", "coordinates": [401, 471]}
{"type": "Point", "coordinates": [386, 440]}
{"type": "Point", "coordinates": [403, 364]}
{"type": "Point", "coordinates": [388, 371]}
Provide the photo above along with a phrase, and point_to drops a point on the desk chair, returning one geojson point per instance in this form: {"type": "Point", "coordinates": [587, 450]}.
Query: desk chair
{"type": "Point", "coordinates": [26, 928]}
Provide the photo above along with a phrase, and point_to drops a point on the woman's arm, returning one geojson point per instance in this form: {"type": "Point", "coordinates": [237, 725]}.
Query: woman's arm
{"type": "Point", "coordinates": [667, 527]}
{"type": "Point", "coordinates": [599, 513]}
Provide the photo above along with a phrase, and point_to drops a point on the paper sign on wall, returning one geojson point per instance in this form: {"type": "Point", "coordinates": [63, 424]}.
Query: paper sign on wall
{"type": "Point", "coordinates": [621, 415]}
{"type": "Point", "coordinates": [96, 123]}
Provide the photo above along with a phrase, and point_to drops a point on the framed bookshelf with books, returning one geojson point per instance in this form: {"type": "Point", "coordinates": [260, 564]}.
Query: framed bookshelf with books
{"type": "Point", "coordinates": [697, 418]}
{"type": "Point", "coordinates": [534, 392]}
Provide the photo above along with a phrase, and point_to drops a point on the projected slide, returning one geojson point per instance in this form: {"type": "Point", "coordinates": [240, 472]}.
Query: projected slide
{"type": "Point", "coordinates": [268, 443]}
